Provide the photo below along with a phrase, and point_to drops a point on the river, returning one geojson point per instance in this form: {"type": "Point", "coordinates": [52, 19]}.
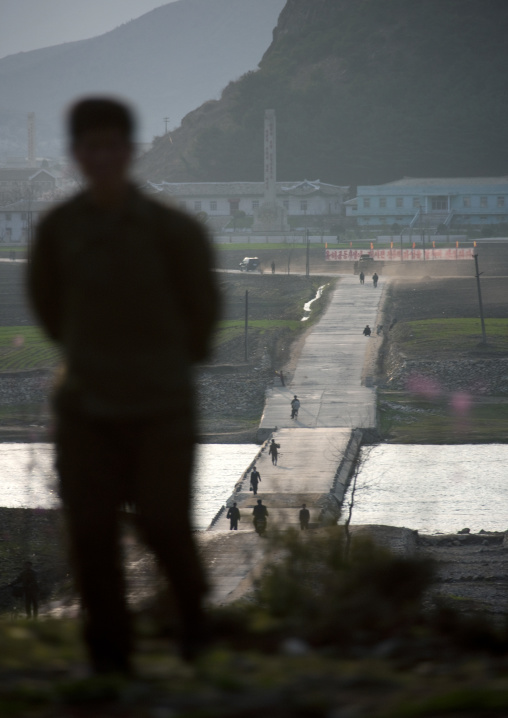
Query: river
{"type": "Point", "coordinates": [28, 477]}
{"type": "Point", "coordinates": [429, 488]}
{"type": "Point", "coordinates": [435, 489]}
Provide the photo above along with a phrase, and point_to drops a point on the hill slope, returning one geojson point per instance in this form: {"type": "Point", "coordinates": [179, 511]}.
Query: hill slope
{"type": "Point", "coordinates": [365, 91]}
{"type": "Point", "coordinates": [168, 61]}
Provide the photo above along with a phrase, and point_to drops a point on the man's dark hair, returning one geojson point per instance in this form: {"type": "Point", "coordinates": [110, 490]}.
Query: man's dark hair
{"type": "Point", "coordinates": [97, 113]}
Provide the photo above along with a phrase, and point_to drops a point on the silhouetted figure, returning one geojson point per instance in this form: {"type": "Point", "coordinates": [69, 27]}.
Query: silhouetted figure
{"type": "Point", "coordinates": [362, 278]}
{"type": "Point", "coordinates": [124, 286]}
{"type": "Point", "coordinates": [367, 331]}
{"type": "Point", "coordinates": [260, 514]}
{"type": "Point", "coordinates": [304, 517]}
{"type": "Point", "coordinates": [255, 478]}
{"type": "Point", "coordinates": [273, 267]}
{"type": "Point", "coordinates": [295, 406]}
{"type": "Point", "coordinates": [234, 517]}
{"type": "Point", "coordinates": [281, 374]}
{"type": "Point", "coordinates": [375, 279]}
{"type": "Point", "coordinates": [274, 452]}
{"type": "Point", "coordinates": [27, 586]}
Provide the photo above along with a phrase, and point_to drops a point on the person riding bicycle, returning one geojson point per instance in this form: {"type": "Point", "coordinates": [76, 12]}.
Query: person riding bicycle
{"type": "Point", "coordinates": [295, 405]}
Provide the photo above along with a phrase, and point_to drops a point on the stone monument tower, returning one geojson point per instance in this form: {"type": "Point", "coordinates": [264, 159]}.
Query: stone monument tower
{"type": "Point", "coordinates": [271, 216]}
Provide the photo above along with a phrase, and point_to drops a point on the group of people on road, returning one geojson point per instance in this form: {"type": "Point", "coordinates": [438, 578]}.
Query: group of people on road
{"type": "Point", "coordinates": [260, 517]}
{"type": "Point", "coordinates": [375, 279]}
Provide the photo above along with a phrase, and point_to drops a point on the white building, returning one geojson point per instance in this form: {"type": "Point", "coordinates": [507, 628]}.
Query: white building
{"type": "Point", "coordinates": [18, 219]}
{"type": "Point", "coordinates": [224, 199]}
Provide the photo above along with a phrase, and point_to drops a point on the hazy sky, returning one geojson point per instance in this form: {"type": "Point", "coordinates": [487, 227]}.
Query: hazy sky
{"type": "Point", "coordinates": [30, 24]}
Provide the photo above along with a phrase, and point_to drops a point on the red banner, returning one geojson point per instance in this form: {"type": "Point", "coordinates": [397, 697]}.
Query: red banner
{"type": "Point", "coordinates": [394, 255]}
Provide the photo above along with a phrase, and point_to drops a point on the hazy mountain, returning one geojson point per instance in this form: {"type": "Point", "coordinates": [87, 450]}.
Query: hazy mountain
{"type": "Point", "coordinates": [365, 91]}
{"type": "Point", "coordinates": [168, 61]}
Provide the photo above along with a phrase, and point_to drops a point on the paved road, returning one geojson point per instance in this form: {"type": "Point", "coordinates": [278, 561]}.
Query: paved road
{"type": "Point", "coordinates": [333, 401]}
{"type": "Point", "coordinates": [328, 376]}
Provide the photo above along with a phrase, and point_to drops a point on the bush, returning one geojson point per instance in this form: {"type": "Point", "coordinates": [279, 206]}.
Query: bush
{"type": "Point", "coordinates": [318, 594]}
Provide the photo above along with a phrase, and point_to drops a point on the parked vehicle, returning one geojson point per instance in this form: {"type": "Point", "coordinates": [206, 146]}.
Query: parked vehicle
{"type": "Point", "coordinates": [250, 264]}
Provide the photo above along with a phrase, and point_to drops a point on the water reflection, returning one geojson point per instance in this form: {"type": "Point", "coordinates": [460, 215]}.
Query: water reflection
{"type": "Point", "coordinates": [434, 488]}
{"type": "Point", "coordinates": [28, 478]}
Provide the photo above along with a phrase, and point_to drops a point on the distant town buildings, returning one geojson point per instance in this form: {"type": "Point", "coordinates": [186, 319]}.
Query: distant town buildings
{"type": "Point", "coordinates": [18, 219]}
{"type": "Point", "coordinates": [432, 202]}
{"type": "Point", "coordinates": [227, 198]}
{"type": "Point", "coordinates": [24, 183]}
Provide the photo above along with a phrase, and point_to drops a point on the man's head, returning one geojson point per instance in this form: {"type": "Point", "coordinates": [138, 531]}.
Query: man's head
{"type": "Point", "coordinates": [234, 503]}
{"type": "Point", "coordinates": [28, 564]}
{"type": "Point", "coordinates": [304, 506]}
{"type": "Point", "coordinates": [100, 132]}
{"type": "Point", "coordinates": [259, 501]}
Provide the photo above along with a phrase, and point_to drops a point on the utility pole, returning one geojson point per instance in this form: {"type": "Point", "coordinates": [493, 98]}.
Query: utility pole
{"type": "Point", "coordinates": [166, 120]}
{"type": "Point", "coordinates": [246, 325]}
{"type": "Point", "coordinates": [307, 258]}
{"type": "Point", "coordinates": [484, 335]}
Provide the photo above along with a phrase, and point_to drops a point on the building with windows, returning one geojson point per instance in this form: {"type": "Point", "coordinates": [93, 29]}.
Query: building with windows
{"type": "Point", "coordinates": [226, 198]}
{"type": "Point", "coordinates": [411, 202]}
{"type": "Point", "coordinates": [25, 183]}
{"type": "Point", "coordinates": [18, 220]}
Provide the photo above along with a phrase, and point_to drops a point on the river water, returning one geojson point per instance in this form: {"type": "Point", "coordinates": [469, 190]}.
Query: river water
{"type": "Point", "coordinates": [28, 478]}
{"type": "Point", "coordinates": [429, 488]}
{"type": "Point", "coordinates": [435, 489]}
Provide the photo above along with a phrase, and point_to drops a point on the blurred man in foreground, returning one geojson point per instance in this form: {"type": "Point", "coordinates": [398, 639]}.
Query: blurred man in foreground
{"type": "Point", "coordinates": [124, 286]}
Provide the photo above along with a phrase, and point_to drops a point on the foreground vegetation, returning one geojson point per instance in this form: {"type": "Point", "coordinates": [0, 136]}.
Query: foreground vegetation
{"type": "Point", "coordinates": [324, 634]}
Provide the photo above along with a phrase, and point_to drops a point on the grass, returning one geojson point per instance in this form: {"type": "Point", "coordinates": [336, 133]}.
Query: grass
{"type": "Point", "coordinates": [448, 338]}
{"type": "Point", "coordinates": [406, 419]}
{"type": "Point", "coordinates": [232, 328]}
{"type": "Point", "coordinates": [23, 348]}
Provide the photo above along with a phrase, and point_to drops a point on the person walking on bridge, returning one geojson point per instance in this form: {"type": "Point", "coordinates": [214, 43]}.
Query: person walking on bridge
{"type": "Point", "coordinates": [304, 517]}
{"type": "Point", "coordinates": [255, 478]}
{"type": "Point", "coordinates": [295, 406]}
{"type": "Point", "coordinates": [234, 517]}
{"type": "Point", "coordinates": [375, 280]}
{"type": "Point", "coordinates": [260, 514]}
{"type": "Point", "coordinates": [274, 452]}
{"type": "Point", "coordinates": [362, 278]}
{"type": "Point", "coordinates": [367, 331]}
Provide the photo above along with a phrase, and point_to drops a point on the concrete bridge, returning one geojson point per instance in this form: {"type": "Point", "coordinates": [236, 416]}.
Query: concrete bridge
{"type": "Point", "coordinates": [315, 448]}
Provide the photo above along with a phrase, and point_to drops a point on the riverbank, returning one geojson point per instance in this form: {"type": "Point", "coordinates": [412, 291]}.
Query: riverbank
{"type": "Point", "coordinates": [437, 382]}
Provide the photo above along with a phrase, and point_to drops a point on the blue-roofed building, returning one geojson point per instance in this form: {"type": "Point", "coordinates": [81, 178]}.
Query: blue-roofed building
{"type": "Point", "coordinates": [451, 202]}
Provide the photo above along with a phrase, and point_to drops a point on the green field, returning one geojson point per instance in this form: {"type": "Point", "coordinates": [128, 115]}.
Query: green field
{"type": "Point", "coordinates": [406, 419]}
{"type": "Point", "coordinates": [23, 348]}
{"type": "Point", "coordinates": [441, 338]}
{"type": "Point", "coordinates": [232, 328]}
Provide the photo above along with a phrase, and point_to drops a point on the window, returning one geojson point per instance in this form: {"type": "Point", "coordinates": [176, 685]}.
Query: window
{"type": "Point", "coordinates": [483, 202]}
{"type": "Point", "coordinates": [382, 220]}
{"type": "Point", "coordinates": [197, 206]}
{"type": "Point", "coordinates": [399, 202]}
{"type": "Point", "coordinates": [303, 205]}
{"type": "Point", "coordinates": [466, 201]}
{"type": "Point", "coordinates": [382, 202]}
{"type": "Point", "coordinates": [8, 216]}
{"type": "Point", "coordinates": [439, 203]}
{"type": "Point", "coordinates": [255, 204]}
{"type": "Point", "coordinates": [416, 202]}
{"type": "Point", "coordinates": [483, 217]}
{"type": "Point", "coordinates": [8, 234]}
{"type": "Point", "coordinates": [285, 203]}
{"type": "Point", "coordinates": [213, 206]}
{"type": "Point", "coordinates": [23, 215]}
{"type": "Point", "coordinates": [366, 202]}
{"type": "Point", "coordinates": [234, 205]}
{"type": "Point", "coordinates": [500, 201]}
